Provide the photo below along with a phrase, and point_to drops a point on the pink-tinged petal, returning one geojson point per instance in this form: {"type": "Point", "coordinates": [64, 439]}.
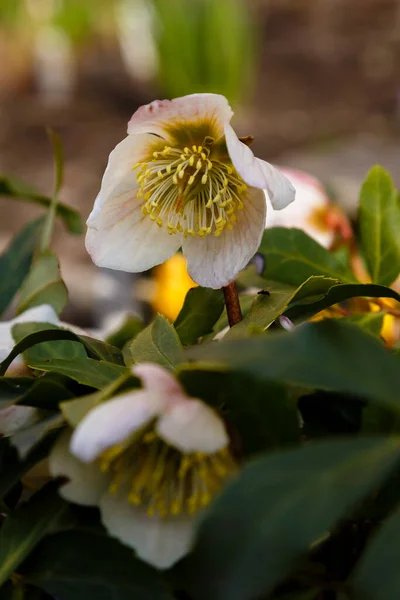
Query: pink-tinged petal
{"type": "Point", "coordinates": [156, 379]}
{"type": "Point", "coordinates": [258, 173]}
{"type": "Point", "coordinates": [160, 542]}
{"type": "Point", "coordinates": [87, 483]}
{"type": "Point", "coordinates": [113, 422]}
{"type": "Point", "coordinates": [214, 261]}
{"type": "Point", "coordinates": [206, 114]}
{"type": "Point", "coordinates": [119, 174]}
{"type": "Point", "coordinates": [192, 426]}
{"type": "Point", "coordinates": [311, 200]}
{"type": "Point", "coordinates": [120, 237]}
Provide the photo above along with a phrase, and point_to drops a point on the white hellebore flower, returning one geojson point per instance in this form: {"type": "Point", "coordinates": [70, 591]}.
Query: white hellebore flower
{"type": "Point", "coordinates": [182, 178]}
{"type": "Point", "coordinates": [17, 417]}
{"type": "Point", "coordinates": [313, 212]}
{"type": "Point", "coordinates": [150, 459]}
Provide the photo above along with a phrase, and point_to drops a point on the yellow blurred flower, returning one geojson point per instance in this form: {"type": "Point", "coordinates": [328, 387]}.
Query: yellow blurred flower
{"type": "Point", "coordinates": [172, 283]}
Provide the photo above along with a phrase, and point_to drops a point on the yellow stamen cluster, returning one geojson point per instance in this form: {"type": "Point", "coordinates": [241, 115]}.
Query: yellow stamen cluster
{"type": "Point", "coordinates": [189, 191]}
{"type": "Point", "coordinates": [162, 479]}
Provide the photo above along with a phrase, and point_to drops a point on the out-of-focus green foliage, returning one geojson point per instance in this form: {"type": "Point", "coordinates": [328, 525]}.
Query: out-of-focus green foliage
{"type": "Point", "coordinates": [206, 45]}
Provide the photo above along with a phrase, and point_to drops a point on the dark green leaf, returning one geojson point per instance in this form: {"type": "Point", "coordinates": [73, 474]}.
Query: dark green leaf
{"type": "Point", "coordinates": [340, 293]}
{"type": "Point", "coordinates": [377, 575]}
{"type": "Point", "coordinates": [21, 191]}
{"type": "Point", "coordinates": [261, 413]}
{"type": "Point", "coordinates": [199, 313]}
{"type": "Point", "coordinates": [266, 308]}
{"type": "Point", "coordinates": [327, 355]}
{"type": "Point", "coordinates": [87, 371]}
{"type": "Point", "coordinates": [157, 343]}
{"type": "Point", "coordinates": [14, 468]}
{"type": "Point", "coordinates": [278, 506]}
{"type": "Point", "coordinates": [43, 285]}
{"type": "Point", "coordinates": [379, 218]}
{"type": "Point", "coordinates": [24, 528]}
{"type": "Point", "coordinates": [77, 565]}
{"type": "Point", "coordinates": [44, 392]}
{"type": "Point", "coordinates": [16, 261]}
{"type": "Point", "coordinates": [292, 257]}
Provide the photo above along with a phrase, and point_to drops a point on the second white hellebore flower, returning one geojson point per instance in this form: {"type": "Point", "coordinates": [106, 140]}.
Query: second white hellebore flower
{"type": "Point", "coordinates": [313, 211]}
{"type": "Point", "coordinates": [183, 179]}
{"type": "Point", "coordinates": [150, 459]}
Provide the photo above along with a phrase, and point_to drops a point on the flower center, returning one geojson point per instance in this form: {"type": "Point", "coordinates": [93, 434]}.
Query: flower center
{"type": "Point", "coordinates": [164, 480]}
{"type": "Point", "coordinates": [189, 191]}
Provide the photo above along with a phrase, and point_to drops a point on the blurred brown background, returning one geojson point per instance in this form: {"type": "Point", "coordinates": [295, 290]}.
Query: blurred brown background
{"type": "Point", "coordinates": [316, 81]}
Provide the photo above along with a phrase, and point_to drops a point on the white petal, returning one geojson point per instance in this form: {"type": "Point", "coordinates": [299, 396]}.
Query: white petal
{"type": "Point", "coordinates": [157, 379]}
{"type": "Point", "coordinates": [160, 542]}
{"type": "Point", "coordinates": [87, 482]}
{"type": "Point", "coordinates": [113, 422]}
{"type": "Point", "coordinates": [310, 198]}
{"type": "Point", "coordinates": [44, 313]}
{"type": "Point", "coordinates": [162, 116]}
{"type": "Point", "coordinates": [119, 172]}
{"type": "Point", "coordinates": [16, 417]}
{"type": "Point", "coordinates": [120, 237]}
{"type": "Point", "coordinates": [214, 261]}
{"type": "Point", "coordinates": [258, 173]}
{"type": "Point", "coordinates": [192, 426]}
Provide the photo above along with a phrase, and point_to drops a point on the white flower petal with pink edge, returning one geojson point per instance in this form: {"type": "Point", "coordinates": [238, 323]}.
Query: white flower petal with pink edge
{"type": "Point", "coordinates": [157, 379]}
{"type": "Point", "coordinates": [158, 116]}
{"type": "Point", "coordinates": [113, 422]}
{"type": "Point", "coordinates": [192, 426]}
{"type": "Point", "coordinates": [311, 199]}
{"type": "Point", "coordinates": [258, 173]}
{"type": "Point", "coordinates": [86, 483]}
{"type": "Point", "coordinates": [214, 261]}
{"type": "Point", "coordinates": [160, 542]}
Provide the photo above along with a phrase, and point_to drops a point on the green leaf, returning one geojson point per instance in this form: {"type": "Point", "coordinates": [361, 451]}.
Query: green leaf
{"type": "Point", "coordinates": [16, 261]}
{"type": "Point", "coordinates": [24, 528]}
{"type": "Point", "coordinates": [43, 285]}
{"type": "Point", "coordinates": [245, 304]}
{"type": "Point", "coordinates": [326, 355]}
{"type": "Point", "coordinates": [78, 565]}
{"type": "Point", "coordinates": [261, 412]}
{"type": "Point", "coordinates": [340, 293]}
{"type": "Point", "coordinates": [56, 348]}
{"type": "Point", "coordinates": [259, 527]}
{"type": "Point", "coordinates": [86, 371]}
{"type": "Point", "coordinates": [377, 575]}
{"type": "Point", "coordinates": [18, 190]}
{"type": "Point", "coordinates": [46, 332]}
{"type": "Point", "coordinates": [199, 313]}
{"type": "Point", "coordinates": [292, 257]}
{"type": "Point", "coordinates": [157, 343]}
{"type": "Point", "coordinates": [379, 218]}
{"type": "Point", "coordinates": [269, 306]}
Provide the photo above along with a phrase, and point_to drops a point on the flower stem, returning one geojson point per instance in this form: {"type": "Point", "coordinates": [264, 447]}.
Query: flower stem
{"type": "Point", "coordinates": [232, 304]}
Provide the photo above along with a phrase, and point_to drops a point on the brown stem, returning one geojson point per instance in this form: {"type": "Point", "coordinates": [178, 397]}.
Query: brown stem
{"type": "Point", "coordinates": [232, 304]}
